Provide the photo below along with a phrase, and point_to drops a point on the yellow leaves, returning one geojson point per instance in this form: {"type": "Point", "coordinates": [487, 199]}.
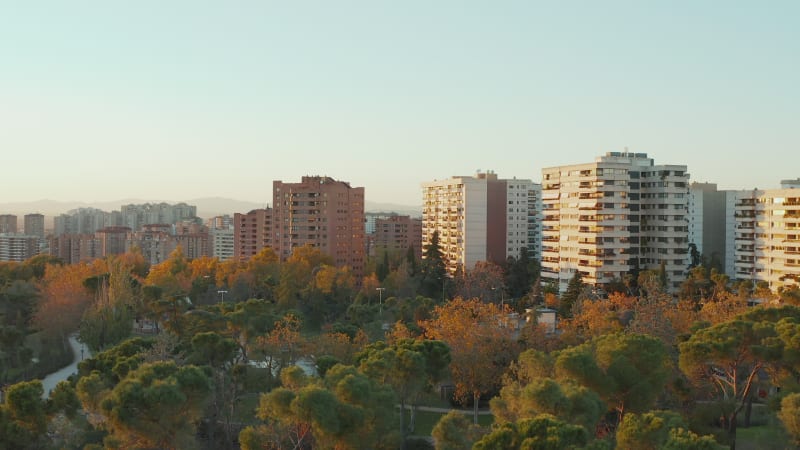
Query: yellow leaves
{"type": "Point", "coordinates": [330, 278]}
{"type": "Point", "coordinates": [173, 275]}
{"type": "Point", "coordinates": [204, 266]}
{"type": "Point", "coordinates": [326, 279]}
{"type": "Point", "coordinates": [312, 256]}
{"type": "Point", "coordinates": [398, 332]}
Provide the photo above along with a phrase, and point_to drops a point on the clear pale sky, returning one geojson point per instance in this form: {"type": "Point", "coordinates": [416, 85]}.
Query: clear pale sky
{"type": "Point", "coordinates": [167, 99]}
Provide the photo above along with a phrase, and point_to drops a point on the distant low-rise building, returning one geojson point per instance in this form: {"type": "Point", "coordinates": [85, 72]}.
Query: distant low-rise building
{"type": "Point", "coordinates": [395, 234]}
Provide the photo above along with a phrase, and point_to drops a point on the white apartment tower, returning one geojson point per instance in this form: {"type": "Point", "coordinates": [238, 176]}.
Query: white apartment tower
{"type": "Point", "coordinates": [479, 218]}
{"type": "Point", "coordinates": [767, 239]}
{"type": "Point", "coordinates": [611, 217]}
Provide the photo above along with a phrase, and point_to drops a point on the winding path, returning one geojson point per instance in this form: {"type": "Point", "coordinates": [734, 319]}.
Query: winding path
{"type": "Point", "coordinates": [79, 351]}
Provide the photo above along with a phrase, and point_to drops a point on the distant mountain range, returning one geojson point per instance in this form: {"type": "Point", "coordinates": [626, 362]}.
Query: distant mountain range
{"type": "Point", "coordinates": [206, 207]}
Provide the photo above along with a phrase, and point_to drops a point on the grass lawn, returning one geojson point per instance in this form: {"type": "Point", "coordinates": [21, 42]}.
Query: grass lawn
{"type": "Point", "coordinates": [427, 420]}
{"type": "Point", "coordinates": [766, 437]}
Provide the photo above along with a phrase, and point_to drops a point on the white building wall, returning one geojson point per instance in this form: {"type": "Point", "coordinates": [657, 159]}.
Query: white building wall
{"type": "Point", "coordinates": [474, 224]}
{"type": "Point", "coordinates": [696, 218]}
{"type": "Point", "coordinates": [731, 198]}
{"type": "Point", "coordinates": [517, 211]}
{"type": "Point", "coordinates": [605, 217]}
{"type": "Point", "coordinates": [222, 243]}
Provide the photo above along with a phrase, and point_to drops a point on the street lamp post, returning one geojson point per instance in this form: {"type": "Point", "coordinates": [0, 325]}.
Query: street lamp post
{"type": "Point", "coordinates": [380, 299]}
{"type": "Point", "coordinates": [502, 296]}
{"type": "Point", "coordinates": [222, 293]}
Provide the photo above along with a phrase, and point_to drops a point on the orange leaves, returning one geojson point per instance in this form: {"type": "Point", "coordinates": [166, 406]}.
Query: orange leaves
{"type": "Point", "coordinates": [64, 297]}
{"type": "Point", "coordinates": [480, 339]}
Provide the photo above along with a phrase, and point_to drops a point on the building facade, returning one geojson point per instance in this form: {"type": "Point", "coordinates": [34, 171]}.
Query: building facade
{"type": "Point", "coordinates": [111, 240]}
{"type": "Point", "coordinates": [154, 241]}
{"type": "Point", "coordinates": [395, 234]}
{"type": "Point", "coordinates": [479, 218]}
{"type": "Point", "coordinates": [136, 216]}
{"type": "Point", "coordinates": [767, 239]}
{"type": "Point", "coordinates": [194, 239]}
{"type": "Point", "coordinates": [222, 243]}
{"type": "Point", "coordinates": [707, 212]}
{"type": "Point", "coordinates": [18, 247]}
{"type": "Point", "coordinates": [34, 225]}
{"type": "Point", "coordinates": [251, 233]}
{"type": "Point", "coordinates": [320, 212]}
{"type": "Point", "coordinates": [616, 215]}
{"type": "Point", "coordinates": [84, 221]}
{"type": "Point", "coordinates": [8, 223]}
{"type": "Point", "coordinates": [74, 248]}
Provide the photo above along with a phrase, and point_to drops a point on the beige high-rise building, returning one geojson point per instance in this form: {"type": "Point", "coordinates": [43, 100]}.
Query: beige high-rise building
{"type": "Point", "coordinates": [34, 225]}
{"type": "Point", "coordinates": [613, 216]}
{"type": "Point", "coordinates": [767, 236]}
{"type": "Point", "coordinates": [321, 212]}
{"type": "Point", "coordinates": [479, 218]}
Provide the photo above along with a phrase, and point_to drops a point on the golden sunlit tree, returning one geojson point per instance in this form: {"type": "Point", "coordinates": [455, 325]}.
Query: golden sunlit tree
{"type": "Point", "coordinates": [481, 341]}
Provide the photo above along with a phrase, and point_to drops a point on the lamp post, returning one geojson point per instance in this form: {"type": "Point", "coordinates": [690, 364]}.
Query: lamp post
{"type": "Point", "coordinates": [380, 299]}
{"type": "Point", "coordinates": [222, 293]}
{"type": "Point", "coordinates": [502, 297]}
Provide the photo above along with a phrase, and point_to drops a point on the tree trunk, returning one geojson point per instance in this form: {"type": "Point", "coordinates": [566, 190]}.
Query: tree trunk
{"type": "Point", "coordinates": [403, 424]}
{"type": "Point", "coordinates": [732, 430]}
{"type": "Point", "coordinates": [412, 422]}
{"type": "Point", "coordinates": [476, 399]}
{"type": "Point", "coordinates": [747, 411]}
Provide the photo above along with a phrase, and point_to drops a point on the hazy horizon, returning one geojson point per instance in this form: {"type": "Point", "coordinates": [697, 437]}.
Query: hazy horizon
{"type": "Point", "coordinates": [103, 101]}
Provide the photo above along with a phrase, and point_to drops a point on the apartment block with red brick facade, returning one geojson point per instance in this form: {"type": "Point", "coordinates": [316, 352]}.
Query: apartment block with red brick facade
{"type": "Point", "coordinates": [395, 234]}
{"type": "Point", "coordinates": [251, 233]}
{"type": "Point", "coordinates": [324, 213]}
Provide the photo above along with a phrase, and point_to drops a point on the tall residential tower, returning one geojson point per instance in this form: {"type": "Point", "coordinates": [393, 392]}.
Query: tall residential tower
{"type": "Point", "coordinates": [321, 212]}
{"type": "Point", "coordinates": [614, 216]}
{"type": "Point", "coordinates": [480, 218]}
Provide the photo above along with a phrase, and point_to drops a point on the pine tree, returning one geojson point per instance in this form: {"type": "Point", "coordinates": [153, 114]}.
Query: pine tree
{"type": "Point", "coordinates": [411, 258]}
{"type": "Point", "coordinates": [570, 296]}
{"type": "Point", "coordinates": [433, 271]}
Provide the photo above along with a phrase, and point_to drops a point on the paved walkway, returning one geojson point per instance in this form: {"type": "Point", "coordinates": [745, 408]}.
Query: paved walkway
{"type": "Point", "coordinates": [469, 412]}
{"type": "Point", "coordinates": [78, 350]}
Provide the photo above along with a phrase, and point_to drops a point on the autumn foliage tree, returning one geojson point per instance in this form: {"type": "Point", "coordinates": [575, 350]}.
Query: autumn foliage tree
{"type": "Point", "coordinates": [64, 299]}
{"type": "Point", "coordinates": [481, 341]}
